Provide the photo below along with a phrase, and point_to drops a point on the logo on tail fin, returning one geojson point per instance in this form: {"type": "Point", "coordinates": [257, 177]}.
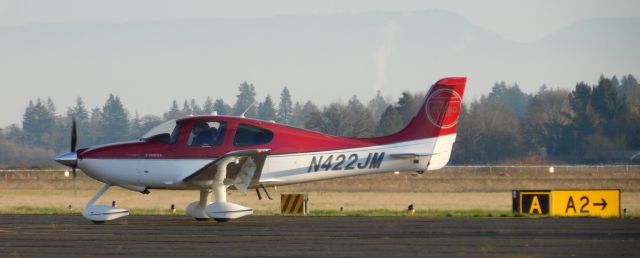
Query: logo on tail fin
{"type": "Point", "coordinates": [443, 108]}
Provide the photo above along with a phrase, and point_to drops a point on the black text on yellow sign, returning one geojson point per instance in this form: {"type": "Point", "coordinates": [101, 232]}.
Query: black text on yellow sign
{"type": "Point", "coordinates": [598, 203]}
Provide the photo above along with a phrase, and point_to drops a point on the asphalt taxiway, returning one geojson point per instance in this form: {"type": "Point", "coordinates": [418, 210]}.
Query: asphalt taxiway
{"type": "Point", "coordinates": [276, 236]}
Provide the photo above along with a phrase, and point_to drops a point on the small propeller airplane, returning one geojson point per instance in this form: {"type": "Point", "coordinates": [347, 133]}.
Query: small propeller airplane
{"type": "Point", "coordinates": [214, 154]}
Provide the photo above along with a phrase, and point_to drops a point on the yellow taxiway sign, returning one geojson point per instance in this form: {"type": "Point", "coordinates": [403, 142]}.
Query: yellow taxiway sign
{"type": "Point", "coordinates": [597, 203]}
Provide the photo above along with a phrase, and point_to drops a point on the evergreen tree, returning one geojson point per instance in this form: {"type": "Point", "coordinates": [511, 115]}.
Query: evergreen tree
{"type": "Point", "coordinates": [79, 111]}
{"type": "Point", "coordinates": [615, 82]}
{"type": "Point", "coordinates": [512, 96]}
{"type": "Point", "coordinates": [295, 116]}
{"type": "Point", "coordinates": [135, 125]}
{"type": "Point", "coordinates": [610, 125]}
{"type": "Point", "coordinates": [174, 111]}
{"type": "Point", "coordinates": [494, 130]}
{"type": "Point", "coordinates": [336, 120]}
{"type": "Point", "coordinates": [545, 124]}
{"type": "Point", "coordinates": [461, 153]}
{"type": "Point", "coordinates": [408, 106]}
{"type": "Point", "coordinates": [285, 109]}
{"type": "Point", "coordinates": [583, 121]}
{"type": "Point", "coordinates": [605, 103]}
{"type": "Point", "coordinates": [630, 91]}
{"type": "Point", "coordinates": [377, 105]}
{"type": "Point", "coordinates": [390, 121]}
{"type": "Point", "coordinates": [245, 98]}
{"type": "Point", "coordinates": [115, 121]}
{"type": "Point", "coordinates": [58, 136]}
{"type": "Point", "coordinates": [317, 122]}
{"type": "Point", "coordinates": [222, 108]}
{"type": "Point", "coordinates": [81, 115]}
{"type": "Point", "coordinates": [13, 133]}
{"type": "Point", "coordinates": [305, 115]}
{"type": "Point", "coordinates": [266, 111]}
{"type": "Point", "coordinates": [360, 122]}
{"type": "Point", "coordinates": [95, 121]}
{"type": "Point", "coordinates": [195, 108]}
{"type": "Point", "coordinates": [38, 122]}
{"type": "Point", "coordinates": [186, 109]}
{"type": "Point", "coordinates": [208, 108]}
{"type": "Point", "coordinates": [51, 108]}
{"type": "Point", "coordinates": [405, 107]}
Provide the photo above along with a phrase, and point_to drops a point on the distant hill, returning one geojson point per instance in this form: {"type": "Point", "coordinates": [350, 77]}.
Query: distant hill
{"type": "Point", "coordinates": [320, 57]}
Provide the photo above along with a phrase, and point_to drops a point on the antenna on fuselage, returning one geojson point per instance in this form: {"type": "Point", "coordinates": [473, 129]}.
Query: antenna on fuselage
{"type": "Point", "coordinates": [249, 107]}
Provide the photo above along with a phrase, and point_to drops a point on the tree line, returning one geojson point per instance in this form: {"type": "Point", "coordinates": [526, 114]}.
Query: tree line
{"type": "Point", "coordinates": [589, 124]}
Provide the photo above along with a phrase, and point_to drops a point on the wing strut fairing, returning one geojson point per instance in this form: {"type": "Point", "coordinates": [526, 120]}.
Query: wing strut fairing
{"type": "Point", "coordinates": [243, 173]}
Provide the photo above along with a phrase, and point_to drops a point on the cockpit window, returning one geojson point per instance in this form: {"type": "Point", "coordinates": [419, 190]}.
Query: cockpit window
{"type": "Point", "coordinates": [207, 134]}
{"type": "Point", "coordinates": [166, 132]}
{"type": "Point", "coordinates": [247, 135]}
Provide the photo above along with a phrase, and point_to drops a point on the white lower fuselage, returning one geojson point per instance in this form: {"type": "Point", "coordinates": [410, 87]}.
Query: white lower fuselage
{"type": "Point", "coordinates": [138, 174]}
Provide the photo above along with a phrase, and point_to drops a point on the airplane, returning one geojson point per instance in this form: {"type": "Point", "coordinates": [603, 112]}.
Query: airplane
{"type": "Point", "coordinates": [214, 154]}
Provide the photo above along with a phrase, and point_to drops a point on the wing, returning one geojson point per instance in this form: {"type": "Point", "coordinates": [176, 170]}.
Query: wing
{"type": "Point", "coordinates": [242, 174]}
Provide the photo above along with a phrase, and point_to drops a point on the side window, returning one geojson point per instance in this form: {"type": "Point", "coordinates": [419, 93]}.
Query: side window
{"type": "Point", "coordinates": [207, 134]}
{"type": "Point", "coordinates": [247, 135]}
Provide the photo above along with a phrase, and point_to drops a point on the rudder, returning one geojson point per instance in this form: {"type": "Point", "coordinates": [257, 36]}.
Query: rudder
{"type": "Point", "coordinates": [438, 115]}
{"type": "Point", "coordinates": [436, 120]}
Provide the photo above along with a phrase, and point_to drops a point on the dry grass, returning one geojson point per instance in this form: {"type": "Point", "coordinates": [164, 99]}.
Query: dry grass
{"type": "Point", "coordinates": [162, 199]}
{"type": "Point", "coordinates": [447, 189]}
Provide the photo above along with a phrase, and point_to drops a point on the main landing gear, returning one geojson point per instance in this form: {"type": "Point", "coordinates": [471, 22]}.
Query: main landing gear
{"type": "Point", "coordinates": [197, 209]}
{"type": "Point", "coordinates": [220, 210]}
{"type": "Point", "coordinates": [101, 213]}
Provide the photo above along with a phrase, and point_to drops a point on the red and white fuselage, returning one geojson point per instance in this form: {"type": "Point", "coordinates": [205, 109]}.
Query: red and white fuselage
{"type": "Point", "coordinates": [169, 157]}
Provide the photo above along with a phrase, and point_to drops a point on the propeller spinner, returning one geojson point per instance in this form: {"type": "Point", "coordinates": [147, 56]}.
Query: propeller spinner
{"type": "Point", "coordinates": [70, 158]}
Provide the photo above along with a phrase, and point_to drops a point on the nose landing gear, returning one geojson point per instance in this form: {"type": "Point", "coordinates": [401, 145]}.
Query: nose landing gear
{"type": "Point", "coordinates": [101, 213]}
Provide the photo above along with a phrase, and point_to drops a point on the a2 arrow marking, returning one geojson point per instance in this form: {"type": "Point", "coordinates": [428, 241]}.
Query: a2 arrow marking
{"type": "Point", "coordinates": [603, 204]}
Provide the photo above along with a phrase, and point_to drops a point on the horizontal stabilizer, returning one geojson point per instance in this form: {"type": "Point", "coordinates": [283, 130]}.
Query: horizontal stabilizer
{"type": "Point", "coordinates": [411, 155]}
{"type": "Point", "coordinates": [267, 181]}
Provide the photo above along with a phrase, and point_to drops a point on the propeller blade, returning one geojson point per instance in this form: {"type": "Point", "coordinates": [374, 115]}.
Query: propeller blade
{"type": "Point", "coordinates": [74, 138]}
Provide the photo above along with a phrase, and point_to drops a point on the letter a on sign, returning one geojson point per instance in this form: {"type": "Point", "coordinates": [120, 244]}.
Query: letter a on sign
{"type": "Point", "coordinates": [570, 205]}
{"type": "Point", "coordinates": [535, 206]}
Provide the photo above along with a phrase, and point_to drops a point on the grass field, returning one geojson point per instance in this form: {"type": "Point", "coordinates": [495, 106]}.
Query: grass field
{"type": "Point", "coordinates": [451, 192]}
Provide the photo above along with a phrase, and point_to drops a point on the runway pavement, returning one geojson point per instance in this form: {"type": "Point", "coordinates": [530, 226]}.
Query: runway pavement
{"type": "Point", "coordinates": [274, 236]}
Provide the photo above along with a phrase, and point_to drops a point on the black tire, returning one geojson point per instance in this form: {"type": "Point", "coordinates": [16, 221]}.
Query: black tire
{"type": "Point", "coordinates": [221, 219]}
{"type": "Point", "coordinates": [98, 221]}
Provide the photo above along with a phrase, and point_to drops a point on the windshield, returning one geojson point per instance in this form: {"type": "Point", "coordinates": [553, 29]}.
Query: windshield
{"type": "Point", "coordinates": [166, 127]}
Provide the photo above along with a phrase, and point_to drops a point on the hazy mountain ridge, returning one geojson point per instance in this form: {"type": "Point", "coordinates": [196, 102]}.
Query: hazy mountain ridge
{"type": "Point", "coordinates": [320, 57]}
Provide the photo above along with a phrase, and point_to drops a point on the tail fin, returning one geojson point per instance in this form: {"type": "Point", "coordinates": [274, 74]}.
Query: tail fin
{"type": "Point", "coordinates": [435, 123]}
{"type": "Point", "coordinates": [438, 115]}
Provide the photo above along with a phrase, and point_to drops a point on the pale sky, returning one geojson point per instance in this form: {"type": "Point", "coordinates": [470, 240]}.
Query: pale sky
{"type": "Point", "coordinates": [523, 20]}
